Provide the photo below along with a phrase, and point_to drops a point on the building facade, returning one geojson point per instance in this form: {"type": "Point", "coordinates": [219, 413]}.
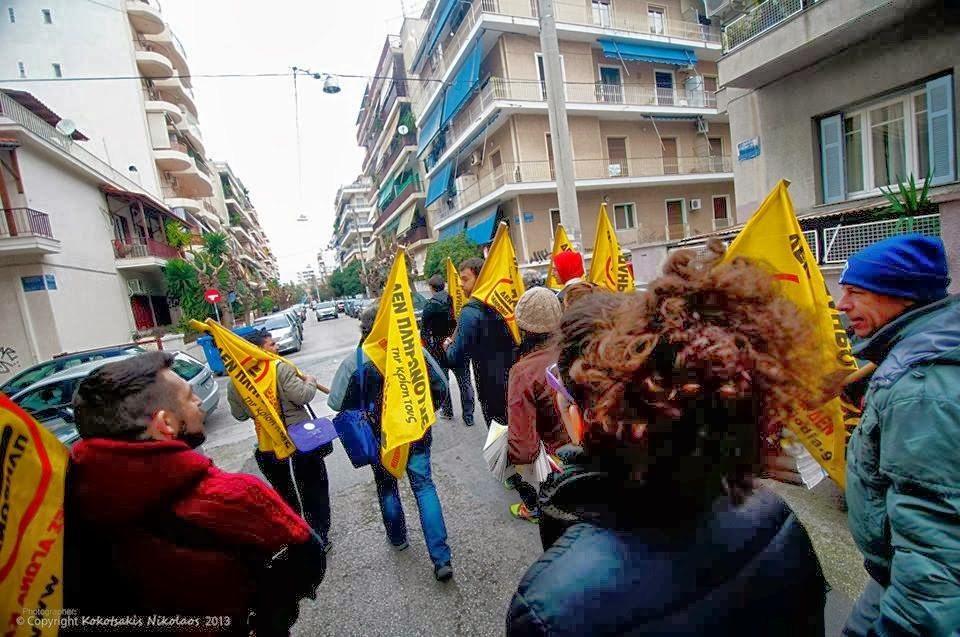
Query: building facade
{"type": "Point", "coordinates": [647, 135]}
{"type": "Point", "coordinates": [355, 215]}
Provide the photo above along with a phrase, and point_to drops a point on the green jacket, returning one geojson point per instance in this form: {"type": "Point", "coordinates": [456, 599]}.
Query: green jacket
{"type": "Point", "coordinates": [903, 471]}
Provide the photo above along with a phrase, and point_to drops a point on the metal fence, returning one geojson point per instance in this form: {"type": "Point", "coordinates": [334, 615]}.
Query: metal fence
{"type": "Point", "coordinates": [759, 20]}
{"type": "Point", "coordinates": [24, 222]}
{"type": "Point", "coordinates": [845, 240]}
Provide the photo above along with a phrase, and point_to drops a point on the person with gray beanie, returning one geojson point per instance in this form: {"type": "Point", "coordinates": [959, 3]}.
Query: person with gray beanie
{"type": "Point", "coordinates": [532, 414]}
{"type": "Point", "coordinates": [903, 478]}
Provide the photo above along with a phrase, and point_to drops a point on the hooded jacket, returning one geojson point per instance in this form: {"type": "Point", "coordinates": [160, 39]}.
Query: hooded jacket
{"type": "Point", "coordinates": [614, 566]}
{"type": "Point", "coordinates": [903, 474]}
{"type": "Point", "coordinates": [154, 528]}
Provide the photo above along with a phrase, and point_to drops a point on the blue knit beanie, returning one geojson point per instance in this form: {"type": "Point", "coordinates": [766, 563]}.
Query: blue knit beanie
{"type": "Point", "coordinates": [910, 266]}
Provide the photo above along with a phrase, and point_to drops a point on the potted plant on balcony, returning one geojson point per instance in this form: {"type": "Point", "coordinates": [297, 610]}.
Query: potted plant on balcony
{"type": "Point", "coordinates": [908, 204]}
{"type": "Point", "coordinates": [121, 250]}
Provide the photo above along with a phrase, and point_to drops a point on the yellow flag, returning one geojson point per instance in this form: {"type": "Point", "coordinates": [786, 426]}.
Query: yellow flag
{"type": "Point", "coordinates": [33, 465]}
{"type": "Point", "coordinates": [253, 372]}
{"type": "Point", "coordinates": [560, 244]}
{"type": "Point", "coordinates": [609, 268]}
{"type": "Point", "coordinates": [394, 346]}
{"type": "Point", "coordinates": [499, 284]}
{"type": "Point", "coordinates": [456, 289]}
{"type": "Point", "coordinates": [773, 237]}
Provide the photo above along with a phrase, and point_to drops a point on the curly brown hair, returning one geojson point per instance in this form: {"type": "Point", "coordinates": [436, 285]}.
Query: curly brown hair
{"type": "Point", "coordinates": [681, 384]}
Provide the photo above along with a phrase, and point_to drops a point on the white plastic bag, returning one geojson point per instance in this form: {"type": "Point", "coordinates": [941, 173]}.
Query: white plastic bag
{"type": "Point", "coordinates": [538, 471]}
{"type": "Point", "coordinates": [495, 450]}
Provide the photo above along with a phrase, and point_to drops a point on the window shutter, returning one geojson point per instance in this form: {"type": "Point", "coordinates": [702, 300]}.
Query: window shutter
{"type": "Point", "coordinates": [831, 158]}
{"type": "Point", "coordinates": [940, 129]}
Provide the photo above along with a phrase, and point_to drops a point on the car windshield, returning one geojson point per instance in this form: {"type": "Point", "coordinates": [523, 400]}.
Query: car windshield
{"type": "Point", "coordinates": [37, 373]}
{"type": "Point", "coordinates": [276, 323]}
{"type": "Point", "coordinates": [185, 368]}
{"type": "Point", "coordinates": [327, 304]}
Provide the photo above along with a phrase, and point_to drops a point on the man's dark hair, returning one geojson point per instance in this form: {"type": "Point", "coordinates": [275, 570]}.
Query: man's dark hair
{"type": "Point", "coordinates": [258, 338]}
{"type": "Point", "coordinates": [436, 283]}
{"type": "Point", "coordinates": [119, 399]}
{"type": "Point", "coordinates": [474, 264]}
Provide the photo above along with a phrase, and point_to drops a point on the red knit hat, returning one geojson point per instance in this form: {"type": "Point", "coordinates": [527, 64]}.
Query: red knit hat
{"type": "Point", "coordinates": [569, 265]}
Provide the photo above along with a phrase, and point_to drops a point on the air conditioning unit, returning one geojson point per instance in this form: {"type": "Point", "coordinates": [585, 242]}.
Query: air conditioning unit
{"type": "Point", "coordinates": [476, 158]}
{"type": "Point", "coordinates": [696, 204]}
{"type": "Point", "coordinates": [703, 126]}
{"type": "Point", "coordinates": [136, 286]}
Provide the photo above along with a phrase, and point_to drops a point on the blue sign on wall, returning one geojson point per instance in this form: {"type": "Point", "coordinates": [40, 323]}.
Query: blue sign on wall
{"type": "Point", "coordinates": [527, 217]}
{"type": "Point", "coordinates": [51, 281]}
{"type": "Point", "coordinates": [32, 283]}
{"type": "Point", "coordinates": [749, 149]}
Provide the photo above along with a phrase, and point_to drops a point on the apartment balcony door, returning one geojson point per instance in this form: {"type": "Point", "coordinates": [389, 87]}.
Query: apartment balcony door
{"type": "Point", "coordinates": [721, 212]}
{"type": "Point", "coordinates": [676, 219]}
{"type": "Point", "coordinates": [601, 12]}
{"type": "Point", "coordinates": [671, 163]}
{"type": "Point", "coordinates": [716, 154]}
{"type": "Point", "coordinates": [664, 82]}
{"type": "Point", "coordinates": [496, 168]}
{"type": "Point", "coordinates": [611, 85]}
{"type": "Point", "coordinates": [656, 18]}
{"type": "Point", "coordinates": [617, 157]}
{"type": "Point", "coordinates": [542, 75]}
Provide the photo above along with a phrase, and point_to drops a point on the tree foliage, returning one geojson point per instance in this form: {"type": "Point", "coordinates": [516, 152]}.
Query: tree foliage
{"type": "Point", "coordinates": [459, 248]}
{"type": "Point", "coordinates": [346, 281]}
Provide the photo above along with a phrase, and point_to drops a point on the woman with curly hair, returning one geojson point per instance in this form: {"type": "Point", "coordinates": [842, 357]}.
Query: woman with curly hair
{"type": "Point", "coordinates": [659, 527]}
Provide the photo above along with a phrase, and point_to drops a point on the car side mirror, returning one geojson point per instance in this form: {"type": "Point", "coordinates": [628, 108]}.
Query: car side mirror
{"type": "Point", "coordinates": [67, 414]}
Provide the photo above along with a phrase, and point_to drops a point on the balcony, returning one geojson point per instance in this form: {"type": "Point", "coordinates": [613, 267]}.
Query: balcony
{"type": "Point", "coordinates": [153, 102]}
{"type": "Point", "coordinates": [602, 100]}
{"type": "Point", "coordinates": [391, 205]}
{"type": "Point", "coordinates": [26, 231]}
{"type": "Point", "coordinates": [572, 18]}
{"type": "Point", "coordinates": [190, 128]}
{"type": "Point", "coordinates": [145, 16]}
{"type": "Point", "coordinates": [173, 50]}
{"type": "Point", "coordinates": [173, 159]}
{"type": "Point", "coordinates": [143, 255]}
{"type": "Point", "coordinates": [590, 174]}
{"type": "Point", "coordinates": [151, 61]}
{"type": "Point", "coordinates": [399, 143]}
{"type": "Point", "coordinates": [772, 41]}
{"type": "Point", "coordinates": [174, 90]}
{"type": "Point", "coordinates": [371, 128]}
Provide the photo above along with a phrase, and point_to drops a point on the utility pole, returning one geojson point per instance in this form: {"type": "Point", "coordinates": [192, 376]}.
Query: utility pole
{"type": "Point", "coordinates": [559, 127]}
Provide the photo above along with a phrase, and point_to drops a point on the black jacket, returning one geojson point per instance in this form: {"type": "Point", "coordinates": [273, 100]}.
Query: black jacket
{"type": "Point", "coordinates": [438, 323]}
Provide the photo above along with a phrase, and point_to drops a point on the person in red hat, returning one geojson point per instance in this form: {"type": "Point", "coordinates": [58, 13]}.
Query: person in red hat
{"type": "Point", "coordinates": [569, 269]}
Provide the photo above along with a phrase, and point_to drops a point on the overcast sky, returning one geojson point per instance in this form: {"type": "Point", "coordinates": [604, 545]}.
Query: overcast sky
{"type": "Point", "coordinates": [250, 122]}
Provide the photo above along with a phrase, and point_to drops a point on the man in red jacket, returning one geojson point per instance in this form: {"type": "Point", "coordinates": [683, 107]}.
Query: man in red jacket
{"type": "Point", "coordinates": [153, 528]}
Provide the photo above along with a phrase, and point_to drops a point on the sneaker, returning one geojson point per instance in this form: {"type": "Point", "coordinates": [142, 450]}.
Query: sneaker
{"type": "Point", "coordinates": [511, 483]}
{"type": "Point", "coordinates": [443, 572]}
{"type": "Point", "coordinates": [468, 422]}
{"type": "Point", "coordinates": [401, 547]}
{"type": "Point", "coordinates": [447, 415]}
{"type": "Point", "coordinates": [521, 512]}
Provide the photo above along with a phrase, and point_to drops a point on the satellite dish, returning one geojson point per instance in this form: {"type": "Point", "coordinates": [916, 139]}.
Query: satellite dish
{"type": "Point", "coordinates": [66, 127]}
{"type": "Point", "coordinates": [402, 129]}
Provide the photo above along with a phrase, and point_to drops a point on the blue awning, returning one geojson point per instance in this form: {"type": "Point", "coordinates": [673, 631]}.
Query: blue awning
{"type": "Point", "coordinates": [462, 84]}
{"type": "Point", "coordinates": [431, 124]}
{"type": "Point", "coordinates": [439, 183]}
{"type": "Point", "coordinates": [481, 232]}
{"type": "Point", "coordinates": [435, 29]}
{"type": "Point", "coordinates": [648, 53]}
{"type": "Point", "coordinates": [451, 231]}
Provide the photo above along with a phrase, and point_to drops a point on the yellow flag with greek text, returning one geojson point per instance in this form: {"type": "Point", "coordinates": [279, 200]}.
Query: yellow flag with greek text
{"type": "Point", "coordinates": [456, 289]}
{"type": "Point", "coordinates": [773, 237]}
{"type": "Point", "coordinates": [253, 372]}
{"type": "Point", "coordinates": [608, 267]}
{"type": "Point", "coordinates": [394, 346]}
{"type": "Point", "coordinates": [499, 284]}
{"type": "Point", "coordinates": [560, 244]}
{"type": "Point", "coordinates": [33, 466]}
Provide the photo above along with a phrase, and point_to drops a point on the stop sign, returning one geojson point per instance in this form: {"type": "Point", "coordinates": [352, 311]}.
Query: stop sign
{"type": "Point", "coordinates": [212, 296]}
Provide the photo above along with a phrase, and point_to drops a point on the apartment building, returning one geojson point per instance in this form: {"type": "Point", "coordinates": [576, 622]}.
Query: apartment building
{"type": "Point", "coordinates": [355, 214]}
{"type": "Point", "coordinates": [82, 247]}
{"type": "Point", "coordinates": [387, 131]}
{"type": "Point", "coordinates": [843, 97]}
{"type": "Point", "coordinates": [648, 138]}
{"type": "Point", "coordinates": [237, 218]}
{"type": "Point", "coordinates": [307, 278]}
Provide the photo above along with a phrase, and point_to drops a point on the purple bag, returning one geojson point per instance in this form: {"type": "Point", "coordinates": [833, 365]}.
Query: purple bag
{"type": "Point", "coordinates": [310, 434]}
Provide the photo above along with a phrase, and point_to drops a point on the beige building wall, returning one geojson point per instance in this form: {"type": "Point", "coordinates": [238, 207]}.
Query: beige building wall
{"type": "Point", "coordinates": [781, 114]}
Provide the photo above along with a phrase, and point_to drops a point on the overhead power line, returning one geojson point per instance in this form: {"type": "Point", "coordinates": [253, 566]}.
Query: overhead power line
{"type": "Point", "coordinates": [20, 80]}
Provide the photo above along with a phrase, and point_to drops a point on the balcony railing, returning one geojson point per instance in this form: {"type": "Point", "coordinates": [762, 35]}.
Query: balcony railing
{"type": "Point", "coordinates": [415, 234]}
{"type": "Point", "coordinates": [567, 13]}
{"type": "Point", "coordinates": [142, 250]}
{"type": "Point", "coordinates": [24, 222]}
{"type": "Point", "coordinates": [412, 187]}
{"type": "Point", "coordinates": [577, 93]}
{"type": "Point", "coordinates": [393, 151]}
{"type": "Point", "coordinates": [15, 111]}
{"type": "Point", "coordinates": [759, 20]}
{"type": "Point", "coordinates": [543, 172]}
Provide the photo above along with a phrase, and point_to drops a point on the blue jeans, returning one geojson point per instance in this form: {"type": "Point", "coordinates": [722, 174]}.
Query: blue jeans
{"type": "Point", "coordinates": [431, 514]}
{"type": "Point", "coordinates": [462, 374]}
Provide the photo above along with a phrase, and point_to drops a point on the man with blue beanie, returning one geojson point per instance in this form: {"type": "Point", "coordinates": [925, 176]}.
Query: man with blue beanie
{"type": "Point", "coordinates": [903, 460]}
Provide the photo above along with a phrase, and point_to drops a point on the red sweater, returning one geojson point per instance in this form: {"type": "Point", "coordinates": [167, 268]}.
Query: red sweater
{"type": "Point", "coordinates": [121, 556]}
{"type": "Point", "coordinates": [532, 412]}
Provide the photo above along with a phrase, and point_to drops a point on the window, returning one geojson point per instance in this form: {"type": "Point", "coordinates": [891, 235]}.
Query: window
{"type": "Point", "coordinates": [656, 17]}
{"type": "Point", "coordinates": [676, 219]}
{"type": "Point", "coordinates": [710, 83]}
{"type": "Point", "coordinates": [22, 69]}
{"type": "Point", "coordinates": [624, 217]}
{"type": "Point", "coordinates": [554, 221]}
{"type": "Point", "coordinates": [721, 211]}
{"type": "Point", "coordinates": [601, 12]}
{"type": "Point", "coordinates": [47, 16]}
{"type": "Point", "coordinates": [12, 14]}
{"type": "Point", "coordinates": [886, 141]}
{"type": "Point", "coordinates": [664, 82]}
{"type": "Point", "coordinates": [617, 157]}
{"type": "Point", "coordinates": [57, 70]}
{"type": "Point", "coordinates": [611, 85]}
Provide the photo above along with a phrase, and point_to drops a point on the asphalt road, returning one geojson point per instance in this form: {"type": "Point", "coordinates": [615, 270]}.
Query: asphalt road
{"type": "Point", "coordinates": [370, 589]}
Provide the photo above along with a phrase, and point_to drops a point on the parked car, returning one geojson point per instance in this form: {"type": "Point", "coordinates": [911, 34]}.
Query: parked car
{"type": "Point", "coordinates": [50, 400]}
{"type": "Point", "coordinates": [61, 362]}
{"type": "Point", "coordinates": [284, 330]}
{"type": "Point", "coordinates": [327, 310]}
{"type": "Point", "coordinates": [341, 306]}
{"type": "Point", "coordinates": [295, 316]}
